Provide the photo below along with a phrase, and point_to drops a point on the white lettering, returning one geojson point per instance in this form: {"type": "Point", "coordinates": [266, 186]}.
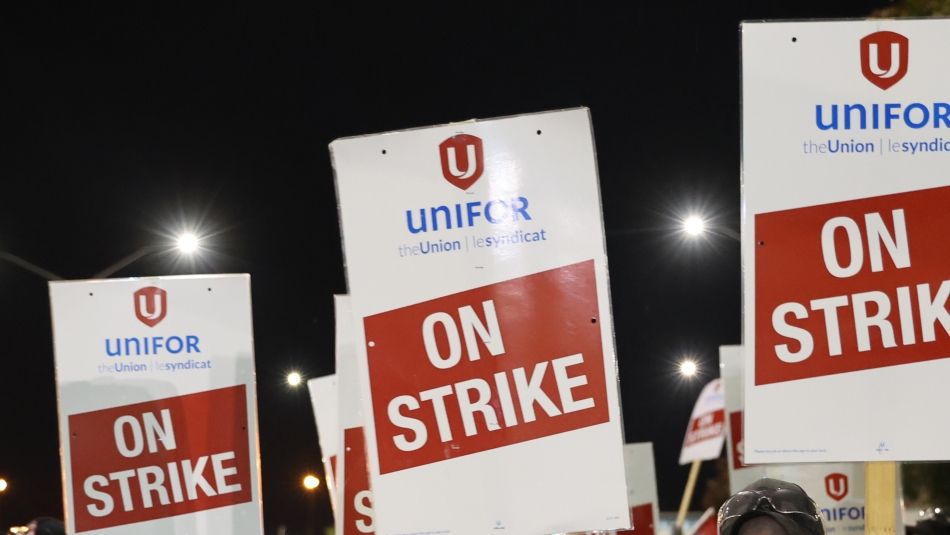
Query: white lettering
{"type": "Point", "coordinates": [565, 384]}
{"type": "Point", "coordinates": [854, 242]}
{"type": "Point", "coordinates": [89, 486]}
{"type": "Point", "coordinates": [412, 424]}
{"type": "Point", "coordinates": [432, 345]}
{"type": "Point", "coordinates": [805, 341]}
{"type": "Point", "coordinates": [137, 443]}
{"type": "Point", "coordinates": [363, 502]}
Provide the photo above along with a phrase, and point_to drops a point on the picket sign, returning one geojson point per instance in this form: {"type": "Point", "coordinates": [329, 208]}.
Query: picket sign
{"type": "Point", "coordinates": [477, 273]}
{"type": "Point", "coordinates": [354, 492]}
{"type": "Point", "coordinates": [324, 397]}
{"type": "Point", "coordinates": [641, 489]}
{"type": "Point", "coordinates": [845, 148]}
{"type": "Point", "coordinates": [705, 435]}
{"type": "Point", "coordinates": [157, 405]}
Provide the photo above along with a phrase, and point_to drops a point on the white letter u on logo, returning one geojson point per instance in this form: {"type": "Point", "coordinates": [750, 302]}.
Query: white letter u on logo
{"type": "Point", "coordinates": [454, 165]}
{"type": "Point", "coordinates": [875, 61]}
{"type": "Point", "coordinates": [150, 312]}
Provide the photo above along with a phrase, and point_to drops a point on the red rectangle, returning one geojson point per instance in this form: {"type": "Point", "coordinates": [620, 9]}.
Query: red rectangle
{"type": "Point", "coordinates": [848, 263]}
{"type": "Point", "coordinates": [706, 426]}
{"type": "Point", "coordinates": [735, 440]}
{"type": "Point", "coordinates": [160, 458]}
{"type": "Point", "coordinates": [642, 517]}
{"type": "Point", "coordinates": [548, 377]}
{"type": "Point", "coordinates": [358, 515]}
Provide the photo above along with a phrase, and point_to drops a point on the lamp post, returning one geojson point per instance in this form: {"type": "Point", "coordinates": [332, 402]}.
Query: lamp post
{"type": "Point", "coordinates": [29, 266]}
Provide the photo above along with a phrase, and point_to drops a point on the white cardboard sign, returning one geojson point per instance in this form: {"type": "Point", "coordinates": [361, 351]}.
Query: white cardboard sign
{"type": "Point", "coordinates": [477, 270]}
{"type": "Point", "coordinates": [846, 151]}
{"type": "Point", "coordinates": [356, 516]}
{"type": "Point", "coordinates": [641, 488]}
{"type": "Point", "coordinates": [157, 405]}
{"type": "Point", "coordinates": [324, 397]}
{"type": "Point", "coordinates": [706, 430]}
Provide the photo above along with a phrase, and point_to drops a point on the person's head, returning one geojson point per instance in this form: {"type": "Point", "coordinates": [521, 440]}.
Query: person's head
{"type": "Point", "coordinates": [770, 507]}
{"type": "Point", "coordinates": [45, 525]}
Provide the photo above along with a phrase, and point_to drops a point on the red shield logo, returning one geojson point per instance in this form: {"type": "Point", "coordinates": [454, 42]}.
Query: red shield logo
{"type": "Point", "coordinates": [836, 485]}
{"type": "Point", "coordinates": [884, 58]}
{"type": "Point", "coordinates": [151, 303]}
{"type": "Point", "coordinates": [462, 160]}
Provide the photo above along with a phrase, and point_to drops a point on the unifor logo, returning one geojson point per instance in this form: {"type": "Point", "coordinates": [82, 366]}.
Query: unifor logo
{"type": "Point", "coordinates": [884, 58]}
{"type": "Point", "coordinates": [462, 160]}
{"type": "Point", "coordinates": [151, 304]}
{"type": "Point", "coordinates": [836, 485]}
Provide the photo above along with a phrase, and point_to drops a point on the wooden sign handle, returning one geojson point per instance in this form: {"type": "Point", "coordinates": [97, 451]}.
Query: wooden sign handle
{"type": "Point", "coordinates": [688, 496]}
{"type": "Point", "coordinates": [880, 497]}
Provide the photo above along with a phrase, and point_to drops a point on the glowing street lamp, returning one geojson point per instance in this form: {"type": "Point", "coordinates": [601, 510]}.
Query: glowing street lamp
{"type": "Point", "coordinates": [694, 225]}
{"type": "Point", "coordinates": [311, 482]}
{"type": "Point", "coordinates": [688, 368]}
{"type": "Point", "coordinates": [294, 379]}
{"type": "Point", "coordinates": [3, 485]}
{"type": "Point", "coordinates": [187, 243]}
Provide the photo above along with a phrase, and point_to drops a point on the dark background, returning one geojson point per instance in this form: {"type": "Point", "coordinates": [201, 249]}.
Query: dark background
{"type": "Point", "coordinates": [123, 124]}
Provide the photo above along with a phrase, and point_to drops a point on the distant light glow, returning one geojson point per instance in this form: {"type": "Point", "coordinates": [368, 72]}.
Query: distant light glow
{"type": "Point", "coordinates": [3, 485]}
{"type": "Point", "coordinates": [937, 510]}
{"type": "Point", "coordinates": [688, 368]}
{"type": "Point", "coordinates": [187, 243]}
{"type": "Point", "coordinates": [311, 482]}
{"type": "Point", "coordinates": [694, 225]}
{"type": "Point", "coordinates": [294, 379]}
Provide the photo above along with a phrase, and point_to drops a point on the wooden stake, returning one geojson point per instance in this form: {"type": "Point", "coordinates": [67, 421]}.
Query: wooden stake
{"type": "Point", "coordinates": [880, 498]}
{"type": "Point", "coordinates": [688, 496]}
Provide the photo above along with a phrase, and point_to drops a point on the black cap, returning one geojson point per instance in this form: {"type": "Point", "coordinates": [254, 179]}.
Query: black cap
{"type": "Point", "coordinates": [782, 501]}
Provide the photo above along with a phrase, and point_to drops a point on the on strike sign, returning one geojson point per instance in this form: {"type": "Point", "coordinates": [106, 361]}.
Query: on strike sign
{"type": "Point", "coordinates": [484, 378]}
{"type": "Point", "coordinates": [160, 458]}
{"type": "Point", "coordinates": [355, 493]}
{"type": "Point", "coordinates": [478, 278]}
{"type": "Point", "coordinates": [324, 398]}
{"type": "Point", "coordinates": [705, 433]}
{"type": "Point", "coordinates": [157, 410]}
{"type": "Point", "coordinates": [847, 277]}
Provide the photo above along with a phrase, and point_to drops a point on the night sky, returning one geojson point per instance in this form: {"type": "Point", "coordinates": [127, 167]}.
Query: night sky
{"type": "Point", "coordinates": [122, 125]}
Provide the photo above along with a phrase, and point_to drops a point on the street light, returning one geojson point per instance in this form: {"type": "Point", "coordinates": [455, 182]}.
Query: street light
{"type": "Point", "coordinates": [688, 368]}
{"type": "Point", "coordinates": [694, 225]}
{"type": "Point", "coordinates": [294, 379]}
{"type": "Point", "coordinates": [29, 266]}
{"type": "Point", "coordinates": [187, 243]}
{"type": "Point", "coordinates": [3, 485]}
{"type": "Point", "coordinates": [311, 482]}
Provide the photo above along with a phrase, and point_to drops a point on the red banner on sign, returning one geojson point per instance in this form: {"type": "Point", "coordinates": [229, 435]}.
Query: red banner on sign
{"type": "Point", "coordinates": [486, 368]}
{"type": "Point", "coordinates": [704, 427]}
{"type": "Point", "coordinates": [160, 458]}
{"type": "Point", "coordinates": [642, 516]}
{"type": "Point", "coordinates": [735, 438]}
{"type": "Point", "coordinates": [852, 286]}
